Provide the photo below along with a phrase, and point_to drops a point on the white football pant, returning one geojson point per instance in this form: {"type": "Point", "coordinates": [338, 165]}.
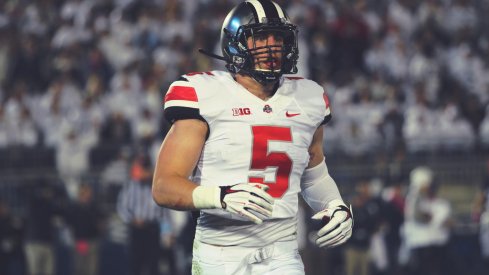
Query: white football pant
{"type": "Point", "coordinates": [276, 259]}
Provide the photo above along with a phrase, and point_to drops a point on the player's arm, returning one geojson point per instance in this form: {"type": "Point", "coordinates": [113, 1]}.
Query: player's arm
{"type": "Point", "coordinates": [317, 186]}
{"type": "Point", "coordinates": [176, 160]}
{"type": "Point", "coordinates": [321, 193]}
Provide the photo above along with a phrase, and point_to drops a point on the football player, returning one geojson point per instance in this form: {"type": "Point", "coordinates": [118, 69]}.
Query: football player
{"type": "Point", "coordinates": [243, 144]}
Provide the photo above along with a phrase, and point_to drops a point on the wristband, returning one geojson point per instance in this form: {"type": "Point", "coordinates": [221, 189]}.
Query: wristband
{"type": "Point", "coordinates": [207, 197]}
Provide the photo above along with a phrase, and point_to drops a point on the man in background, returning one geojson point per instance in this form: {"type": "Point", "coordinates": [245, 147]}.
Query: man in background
{"type": "Point", "coordinates": [86, 221]}
{"type": "Point", "coordinates": [11, 241]}
{"type": "Point", "coordinates": [367, 223]}
{"type": "Point", "coordinates": [41, 227]}
{"type": "Point", "coordinates": [426, 229]}
{"type": "Point", "coordinates": [145, 219]}
{"type": "Point", "coordinates": [481, 215]}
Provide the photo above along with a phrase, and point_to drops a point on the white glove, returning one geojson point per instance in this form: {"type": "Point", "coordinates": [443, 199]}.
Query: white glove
{"type": "Point", "coordinates": [338, 224]}
{"type": "Point", "coordinates": [249, 200]}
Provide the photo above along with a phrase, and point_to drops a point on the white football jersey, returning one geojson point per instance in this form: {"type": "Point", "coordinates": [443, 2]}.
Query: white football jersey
{"type": "Point", "coordinates": [249, 139]}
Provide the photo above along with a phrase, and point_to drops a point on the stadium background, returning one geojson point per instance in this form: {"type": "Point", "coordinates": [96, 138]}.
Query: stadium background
{"type": "Point", "coordinates": [82, 84]}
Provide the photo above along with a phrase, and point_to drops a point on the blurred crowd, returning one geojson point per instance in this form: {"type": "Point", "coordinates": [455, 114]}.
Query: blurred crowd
{"type": "Point", "coordinates": [402, 76]}
{"type": "Point", "coordinates": [84, 80]}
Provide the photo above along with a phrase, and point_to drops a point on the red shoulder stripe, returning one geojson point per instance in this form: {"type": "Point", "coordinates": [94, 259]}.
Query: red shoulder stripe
{"type": "Point", "coordinates": [326, 100]}
{"type": "Point", "coordinates": [181, 93]}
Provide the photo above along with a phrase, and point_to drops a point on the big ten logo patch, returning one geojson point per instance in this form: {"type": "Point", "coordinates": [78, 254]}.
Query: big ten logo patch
{"type": "Point", "coordinates": [241, 111]}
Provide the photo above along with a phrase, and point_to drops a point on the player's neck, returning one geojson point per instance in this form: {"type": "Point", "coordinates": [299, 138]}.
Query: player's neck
{"type": "Point", "coordinates": [263, 92]}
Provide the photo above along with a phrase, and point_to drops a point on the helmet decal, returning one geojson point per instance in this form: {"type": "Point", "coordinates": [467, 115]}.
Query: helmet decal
{"type": "Point", "coordinates": [265, 9]}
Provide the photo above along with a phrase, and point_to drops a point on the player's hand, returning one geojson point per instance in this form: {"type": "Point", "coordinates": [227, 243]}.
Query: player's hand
{"type": "Point", "coordinates": [247, 200]}
{"type": "Point", "coordinates": [337, 226]}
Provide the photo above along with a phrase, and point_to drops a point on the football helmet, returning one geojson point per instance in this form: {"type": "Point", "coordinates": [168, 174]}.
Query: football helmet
{"type": "Point", "coordinates": [258, 19]}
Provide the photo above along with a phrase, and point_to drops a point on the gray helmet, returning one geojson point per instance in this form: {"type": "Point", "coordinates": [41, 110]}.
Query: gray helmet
{"type": "Point", "coordinates": [252, 18]}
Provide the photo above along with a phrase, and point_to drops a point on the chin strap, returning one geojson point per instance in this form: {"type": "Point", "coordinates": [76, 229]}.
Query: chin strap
{"type": "Point", "coordinates": [204, 52]}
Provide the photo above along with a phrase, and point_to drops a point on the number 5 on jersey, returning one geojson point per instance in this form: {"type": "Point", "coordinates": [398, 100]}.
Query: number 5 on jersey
{"type": "Point", "coordinates": [262, 159]}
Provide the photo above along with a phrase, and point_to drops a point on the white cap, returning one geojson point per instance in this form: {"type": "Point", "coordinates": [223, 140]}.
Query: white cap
{"type": "Point", "coordinates": [420, 177]}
